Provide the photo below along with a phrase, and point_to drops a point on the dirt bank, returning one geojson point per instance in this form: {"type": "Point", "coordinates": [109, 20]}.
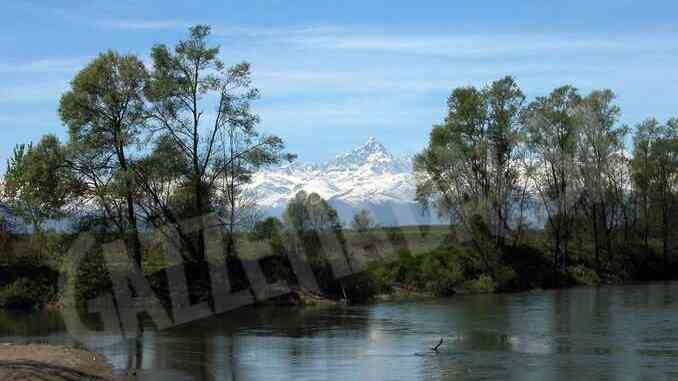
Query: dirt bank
{"type": "Point", "coordinates": [51, 363]}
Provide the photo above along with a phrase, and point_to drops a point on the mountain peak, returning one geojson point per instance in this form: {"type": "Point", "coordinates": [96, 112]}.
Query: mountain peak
{"type": "Point", "coordinates": [367, 177]}
{"type": "Point", "coordinates": [371, 146]}
{"type": "Point", "coordinates": [372, 152]}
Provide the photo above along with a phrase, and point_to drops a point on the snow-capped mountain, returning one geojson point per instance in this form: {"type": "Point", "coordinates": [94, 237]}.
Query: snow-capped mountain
{"type": "Point", "coordinates": [368, 177]}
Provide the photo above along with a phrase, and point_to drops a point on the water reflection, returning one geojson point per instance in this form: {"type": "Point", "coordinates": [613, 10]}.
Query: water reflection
{"type": "Point", "coordinates": [628, 332]}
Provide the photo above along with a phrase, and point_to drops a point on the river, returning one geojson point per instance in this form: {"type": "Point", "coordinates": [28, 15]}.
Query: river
{"type": "Point", "coordinates": [606, 333]}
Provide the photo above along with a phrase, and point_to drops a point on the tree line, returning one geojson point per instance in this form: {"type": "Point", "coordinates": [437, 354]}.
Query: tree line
{"type": "Point", "coordinates": [497, 162]}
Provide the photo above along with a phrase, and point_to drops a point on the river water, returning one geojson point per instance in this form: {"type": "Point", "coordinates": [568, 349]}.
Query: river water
{"type": "Point", "coordinates": [607, 333]}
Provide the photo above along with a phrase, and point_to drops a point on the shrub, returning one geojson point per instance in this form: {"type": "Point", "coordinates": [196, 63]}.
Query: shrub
{"type": "Point", "coordinates": [91, 278]}
{"type": "Point", "coordinates": [440, 273]}
{"type": "Point", "coordinates": [360, 288]}
{"type": "Point", "coordinates": [407, 268]}
{"type": "Point", "coordinates": [482, 284]}
{"type": "Point", "coordinates": [506, 278]}
{"type": "Point", "coordinates": [531, 266]}
{"type": "Point", "coordinates": [642, 264]}
{"type": "Point", "coordinates": [26, 294]}
{"type": "Point", "coordinates": [582, 275]}
{"type": "Point", "coordinates": [382, 276]}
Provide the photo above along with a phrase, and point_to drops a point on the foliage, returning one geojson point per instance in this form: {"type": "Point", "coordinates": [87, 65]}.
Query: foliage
{"type": "Point", "coordinates": [37, 185]}
{"type": "Point", "coordinates": [27, 283]}
{"type": "Point", "coordinates": [104, 110]}
{"type": "Point", "coordinates": [582, 275]}
{"type": "Point", "coordinates": [469, 169]}
{"type": "Point", "coordinates": [482, 284]}
{"type": "Point", "coordinates": [655, 174]}
{"type": "Point", "coordinates": [362, 221]}
{"type": "Point", "coordinates": [21, 294]}
{"type": "Point", "coordinates": [438, 272]}
{"type": "Point", "coordinates": [310, 213]}
{"type": "Point", "coordinates": [268, 228]}
{"type": "Point", "coordinates": [212, 159]}
{"type": "Point", "coordinates": [552, 126]}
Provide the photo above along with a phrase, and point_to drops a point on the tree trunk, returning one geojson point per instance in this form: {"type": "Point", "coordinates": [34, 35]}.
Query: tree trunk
{"type": "Point", "coordinates": [133, 240]}
{"type": "Point", "coordinates": [665, 243]}
{"type": "Point", "coordinates": [596, 241]}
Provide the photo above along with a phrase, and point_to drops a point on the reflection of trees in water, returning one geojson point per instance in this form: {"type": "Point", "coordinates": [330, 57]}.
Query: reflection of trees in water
{"type": "Point", "coordinates": [211, 349]}
{"type": "Point", "coordinates": [135, 353]}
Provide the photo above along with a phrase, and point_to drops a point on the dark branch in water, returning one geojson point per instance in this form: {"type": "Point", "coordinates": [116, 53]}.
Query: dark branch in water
{"type": "Point", "coordinates": [435, 349]}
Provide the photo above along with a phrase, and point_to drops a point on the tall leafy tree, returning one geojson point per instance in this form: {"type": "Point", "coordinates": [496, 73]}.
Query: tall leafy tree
{"type": "Point", "coordinates": [655, 173]}
{"type": "Point", "coordinates": [104, 112]}
{"type": "Point", "coordinates": [666, 192]}
{"type": "Point", "coordinates": [203, 108]}
{"type": "Point", "coordinates": [469, 170]}
{"type": "Point", "coordinates": [552, 124]}
{"type": "Point", "coordinates": [312, 227]}
{"type": "Point", "coordinates": [644, 170]}
{"type": "Point", "coordinates": [505, 104]}
{"type": "Point", "coordinates": [243, 151]}
{"type": "Point", "coordinates": [600, 158]}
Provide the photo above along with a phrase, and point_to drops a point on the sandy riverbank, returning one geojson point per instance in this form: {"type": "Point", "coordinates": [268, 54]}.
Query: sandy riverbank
{"type": "Point", "coordinates": [51, 363]}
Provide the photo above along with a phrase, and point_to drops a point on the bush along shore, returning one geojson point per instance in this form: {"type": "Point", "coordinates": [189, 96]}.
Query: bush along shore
{"type": "Point", "coordinates": [388, 263]}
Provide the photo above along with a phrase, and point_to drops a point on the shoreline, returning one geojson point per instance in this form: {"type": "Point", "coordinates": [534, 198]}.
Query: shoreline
{"type": "Point", "coordinates": [51, 362]}
{"type": "Point", "coordinates": [299, 297]}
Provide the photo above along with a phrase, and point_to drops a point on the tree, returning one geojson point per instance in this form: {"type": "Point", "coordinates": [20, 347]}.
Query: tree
{"type": "Point", "coordinates": [655, 175]}
{"type": "Point", "coordinates": [37, 185]}
{"type": "Point", "coordinates": [243, 152]}
{"type": "Point", "coordinates": [220, 151]}
{"type": "Point", "coordinates": [666, 192]}
{"type": "Point", "coordinates": [600, 145]}
{"type": "Point", "coordinates": [643, 170]}
{"type": "Point", "coordinates": [266, 229]}
{"type": "Point", "coordinates": [469, 170]}
{"type": "Point", "coordinates": [362, 221]}
{"type": "Point", "coordinates": [505, 104]}
{"type": "Point", "coordinates": [312, 226]}
{"type": "Point", "coordinates": [310, 213]}
{"type": "Point", "coordinates": [552, 127]}
{"type": "Point", "coordinates": [104, 110]}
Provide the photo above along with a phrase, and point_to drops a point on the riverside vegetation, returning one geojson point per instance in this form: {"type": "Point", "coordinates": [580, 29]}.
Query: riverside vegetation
{"type": "Point", "coordinates": [547, 193]}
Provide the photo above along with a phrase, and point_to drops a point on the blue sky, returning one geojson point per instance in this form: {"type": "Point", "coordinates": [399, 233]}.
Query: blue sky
{"type": "Point", "coordinates": [333, 73]}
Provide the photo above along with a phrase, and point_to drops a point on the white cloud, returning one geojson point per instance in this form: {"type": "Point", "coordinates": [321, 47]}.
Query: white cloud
{"type": "Point", "coordinates": [143, 24]}
{"type": "Point", "coordinates": [46, 65]}
{"type": "Point", "coordinates": [469, 46]}
{"type": "Point", "coordinates": [33, 92]}
{"type": "Point", "coordinates": [494, 44]}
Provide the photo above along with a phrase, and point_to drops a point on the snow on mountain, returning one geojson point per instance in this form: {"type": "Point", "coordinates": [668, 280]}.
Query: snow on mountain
{"type": "Point", "coordinates": [368, 177]}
